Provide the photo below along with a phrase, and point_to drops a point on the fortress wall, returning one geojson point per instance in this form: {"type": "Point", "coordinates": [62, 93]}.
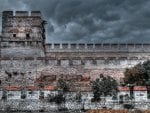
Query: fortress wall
{"type": "Point", "coordinates": [86, 66]}
{"type": "Point", "coordinates": [95, 63]}
{"type": "Point", "coordinates": [22, 52]}
{"type": "Point", "coordinates": [98, 55]}
{"type": "Point", "coordinates": [99, 64]}
{"type": "Point", "coordinates": [100, 60]}
{"type": "Point", "coordinates": [117, 74]}
{"type": "Point", "coordinates": [62, 47]}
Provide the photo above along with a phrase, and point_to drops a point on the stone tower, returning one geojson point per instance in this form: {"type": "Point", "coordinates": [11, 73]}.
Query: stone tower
{"type": "Point", "coordinates": [23, 34]}
{"type": "Point", "coordinates": [22, 43]}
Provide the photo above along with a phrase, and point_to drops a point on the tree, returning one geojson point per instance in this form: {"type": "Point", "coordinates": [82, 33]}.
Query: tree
{"type": "Point", "coordinates": [104, 86]}
{"type": "Point", "coordinates": [64, 85]}
{"type": "Point", "coordinates": [56, 98]}
{"type": "Point", "coordinates": [138, 75]}
{"type": "Point", "coordinates": [4, 95]}
{"type": "Point", "coordinates": [79, 97]}
{"type": "Point", "coordinates": [146, 65]}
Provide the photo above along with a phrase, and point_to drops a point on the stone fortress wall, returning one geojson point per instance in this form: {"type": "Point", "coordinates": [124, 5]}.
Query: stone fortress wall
{"type": "Point", "coordinates": [24, 52]}
{"type": "Point", "coordinates": [99, 54]}
{"type": "Point", "coordinates": [96, 59]}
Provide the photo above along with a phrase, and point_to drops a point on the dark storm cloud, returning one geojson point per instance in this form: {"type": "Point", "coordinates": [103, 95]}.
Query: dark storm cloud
{"type": "Point", "coordinates": [90, 20]}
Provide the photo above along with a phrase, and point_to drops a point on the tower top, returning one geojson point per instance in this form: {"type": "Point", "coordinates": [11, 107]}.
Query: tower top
{"type": "Point", "coordinates": [22, 25]}
{"type": "Point", "coordinates": [21, 13]}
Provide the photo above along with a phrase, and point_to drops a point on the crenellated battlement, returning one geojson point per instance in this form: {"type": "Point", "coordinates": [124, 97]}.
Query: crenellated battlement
{"type": "Point", "coordinates": [21, 13]}
{"type": "Point", "coordinates": [141, 47]}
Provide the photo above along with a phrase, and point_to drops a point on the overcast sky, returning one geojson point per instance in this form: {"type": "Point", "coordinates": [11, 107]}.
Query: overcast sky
{"type": "Point", "coordinates": [90, 20]}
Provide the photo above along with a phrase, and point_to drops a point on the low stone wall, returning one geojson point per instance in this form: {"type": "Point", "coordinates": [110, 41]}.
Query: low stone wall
{"type": "Point", "coordinates": [36, 105]}
{"type": "Point", "coordinates": [27, 105]}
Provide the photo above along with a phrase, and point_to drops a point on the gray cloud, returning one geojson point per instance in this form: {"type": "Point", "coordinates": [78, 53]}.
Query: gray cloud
{"type": "Point", "coordinates": [90, 20]}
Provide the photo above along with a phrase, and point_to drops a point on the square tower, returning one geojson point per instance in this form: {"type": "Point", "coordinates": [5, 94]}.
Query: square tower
{"type": "Point", "coordinates": [24, 30]}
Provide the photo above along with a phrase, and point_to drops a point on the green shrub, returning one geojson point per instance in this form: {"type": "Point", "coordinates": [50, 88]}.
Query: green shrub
{"type": "Point", "coordinates": [128, 106]}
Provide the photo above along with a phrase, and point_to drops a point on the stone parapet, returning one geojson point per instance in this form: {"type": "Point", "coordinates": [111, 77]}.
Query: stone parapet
{"type": "Point", "coordinates": [101, 47]}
